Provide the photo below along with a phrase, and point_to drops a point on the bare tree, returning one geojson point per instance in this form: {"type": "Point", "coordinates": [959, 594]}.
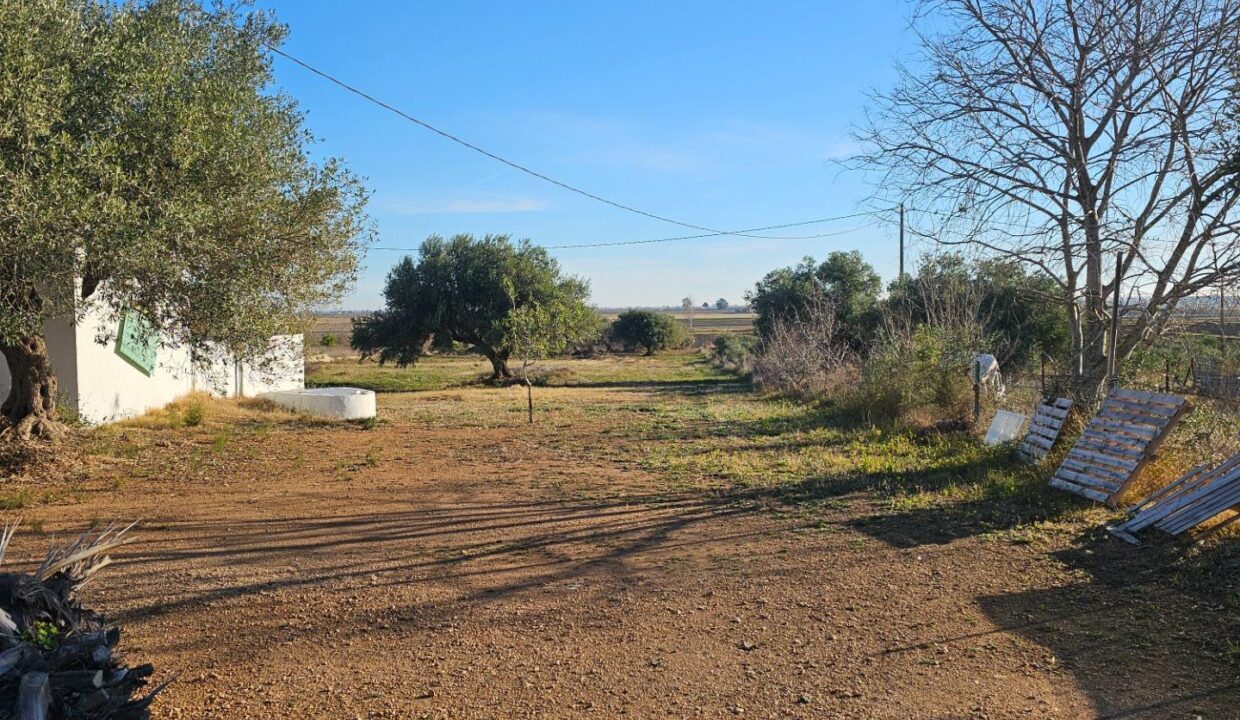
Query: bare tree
{"type": "Point", "coordinates": [1062, 132]}
{"type": "Point", "coordinates": [803, 355]}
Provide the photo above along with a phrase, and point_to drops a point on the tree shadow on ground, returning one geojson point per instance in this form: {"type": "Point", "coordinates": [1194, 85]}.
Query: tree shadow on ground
{"type": "Point", "coordinates": [1138, 639]}
{"type": "Point", "coordinates": [692, 387]}
{"type": "Point", "coordinates": [916, 508]}
{"type": "Point", "coordinates": [489, 550]}
{"type": "Point", "coordinates": [1135, 633]}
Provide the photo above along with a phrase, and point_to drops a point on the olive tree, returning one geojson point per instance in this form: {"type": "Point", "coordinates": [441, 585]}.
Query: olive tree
{"type": "Point", "coordinates": [148, 166]}
{"type": "Point", "coordinates": [537, 331]}
{"type": "Point", "coordinates": [1059, 134]}
{"type": "Point", "coordinates": [844, 280]}
{"type": "Point", "coordinates": [463, 290]}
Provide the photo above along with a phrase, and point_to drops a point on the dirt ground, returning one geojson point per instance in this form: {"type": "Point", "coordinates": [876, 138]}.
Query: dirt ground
{"type": "Point", "coordinates": [465, 565]}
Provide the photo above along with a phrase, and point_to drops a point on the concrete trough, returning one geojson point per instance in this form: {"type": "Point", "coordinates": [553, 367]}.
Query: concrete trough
{"type": "Point", "coordinates": [341, 403]}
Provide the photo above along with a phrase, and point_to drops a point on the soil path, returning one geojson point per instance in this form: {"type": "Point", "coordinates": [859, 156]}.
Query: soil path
{"type": "Point", "coordinates": [437, 570]}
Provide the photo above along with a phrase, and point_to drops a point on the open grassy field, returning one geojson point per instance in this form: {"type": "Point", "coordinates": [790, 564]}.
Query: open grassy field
{"type": "Point", "coordinates": [662, 541]}
{"type": "Point", "coordinates": [706, 325]}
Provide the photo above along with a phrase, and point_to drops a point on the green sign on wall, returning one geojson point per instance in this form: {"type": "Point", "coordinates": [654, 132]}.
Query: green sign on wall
{"type": "Point", "coordinates": [136, 342]}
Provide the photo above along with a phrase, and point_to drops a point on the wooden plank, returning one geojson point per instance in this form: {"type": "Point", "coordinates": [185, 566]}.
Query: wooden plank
{"type": "Point", "coordinates": [1102, 443]}
{"type": "Point", "coordinates": [1051, 411]}
{"type": "Point", "coordinates": [1095, 470]}
{"type": "Point", "coordinates": [33, 696]}
{"type": "Point", "coordinates": [1108, 422]}
{"type": "Point", "coordinates": [1045, 432]}
{"type": "Point", "coordinates": [1044, 428]}
{"type": "Point", "coordinates": [1220, 526]}
{"type": "Point", "coordinates": [1152, 449]}
{"type": "Point", "coordinates": [1174, 488]}
{"type": "Point", "coordinates": [1042, 442]}
{"type": "Point", "coordinates": [1079, 490]}
{"type": "Point", "coordinates": [1140, 409]}
{"type": "Point", "coordinates": [1084, 478]}
{"type": "Point", "coordinates": [1118, 442]}
{"type": "Point", "coordinates": [1146, 397]}
{"type": "Point", "coordinates": [1196, 507]}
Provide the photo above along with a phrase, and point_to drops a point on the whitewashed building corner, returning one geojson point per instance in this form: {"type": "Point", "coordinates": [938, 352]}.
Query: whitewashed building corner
{"type": "Point", "coordinates": [105, 382]}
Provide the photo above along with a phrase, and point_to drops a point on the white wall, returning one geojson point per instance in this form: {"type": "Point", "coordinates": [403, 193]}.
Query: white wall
{"type": "Point", "coordinates": [102, 386]}
{"type": "Point", "coordinates": [284, 368]}
{"type": "Point", "coordinates": [109, 388]}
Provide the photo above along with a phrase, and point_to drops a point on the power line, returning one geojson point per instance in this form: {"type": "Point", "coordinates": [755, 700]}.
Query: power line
{"type": "Point", "coordinates": [704, 235]}
{"type": "Point", "coordinates": [739, 232]}
{"type": "Point", "coordinates": [518, 166]}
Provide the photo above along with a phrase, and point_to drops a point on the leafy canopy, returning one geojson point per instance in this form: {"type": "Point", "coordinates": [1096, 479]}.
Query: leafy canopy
{"type": "Point", "coordinates": [144, 152]}
{"type": "Point", "coordinates": [844, 280]}
{"type": "Point", "coordinates": [465, 290]}
{"type": "Point", "coordinates": [1018, 312]}
{"type": "Point", "coordinates": [646, 329]}
{"type": "Point", "coordinates": [537, 331]}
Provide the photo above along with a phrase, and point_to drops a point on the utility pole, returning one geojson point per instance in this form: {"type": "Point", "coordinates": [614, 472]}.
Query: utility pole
{"type": "Point", "coordinates": [901, 275]}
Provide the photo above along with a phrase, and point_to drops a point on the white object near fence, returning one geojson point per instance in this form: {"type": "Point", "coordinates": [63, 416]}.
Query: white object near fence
{"type": "Point", "coordinates": [1048, 420]}
{"type": "Point", "coordinates": [1005, 427]}
{"type": "Point", "coordinates": [341, 403]}
{"type": "Point", "coordinates": [986, 373]}
{"type": "Point", "coordinates": [1118, 441]}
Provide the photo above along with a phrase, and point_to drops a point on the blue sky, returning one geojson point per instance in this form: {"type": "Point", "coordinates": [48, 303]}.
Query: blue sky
{"type": "Point", "coordinates": [727, 115]}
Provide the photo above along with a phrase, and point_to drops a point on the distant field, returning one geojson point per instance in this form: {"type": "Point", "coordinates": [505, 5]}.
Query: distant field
{"type": "Point", "coordinates": [340, 326]}
{"type": "Point", "coordinates": [446, 372]}
{"type": "Point", "coordinates": [706, 325]}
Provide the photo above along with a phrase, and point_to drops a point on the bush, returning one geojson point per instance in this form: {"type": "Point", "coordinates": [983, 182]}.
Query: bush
{"type": "Point", "coordinates": [803, 354]}
{"type": "Point", "coordinates": [649, 330]}
{"type": "Point", "coordinates": [194, 414]}
{"type": "Point", "coordinates": [919, 376]}
{"type": "Point", "coordinates": [329, 340]}
{"type": "Point", "coordinates": [732, 352]}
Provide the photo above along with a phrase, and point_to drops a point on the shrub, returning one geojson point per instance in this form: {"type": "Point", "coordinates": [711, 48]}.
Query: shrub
{"type": "Point", "coordinates": [803, 354]}
{"type": "Point", "coordinates": [194, 414]}
{"type": "Point", "coordinates": [652, 331]}
{"type": "Point", "coordinates": [732, 352]}
{"type": "Point", "coordinates": [329, 340]}
{"type": "Point", "coordinates": [918, 376]}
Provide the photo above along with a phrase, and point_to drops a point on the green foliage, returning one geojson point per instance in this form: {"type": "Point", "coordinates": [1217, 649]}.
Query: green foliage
{"type": "Point", "coordinates": [42, 634]}
{"type": "Point", "coordinates": [732, 352]}
{"type": "Point", "coordinates": [1015, 310]}
{"type": "Point", "coordinates": [535, 331]}
{"type": "Point", "coordinates": [920, 378]}
{"type": "Point", "coordinates": [721, 304]}
{"type": "Point", "coordinates": [464, 290]}
{"type": "Point", "coordinates": [646, 329]}
{"type": "Point", "coordinates": [194, 414]}
{"type": "Point", "coordinates": [144, 151]}
{"type": "Point", "coordinates": [329, 340]}
{"type": "Point", "coordinates": [844, 280]}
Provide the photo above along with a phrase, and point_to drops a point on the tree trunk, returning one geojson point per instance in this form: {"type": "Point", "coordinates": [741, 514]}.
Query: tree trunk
{"type": "Point", "coordinates": [529, 397]}
{"type": "Point", "coordinates": [499, 365]}
{"type": "Point", "coordinates": [30, 408]}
